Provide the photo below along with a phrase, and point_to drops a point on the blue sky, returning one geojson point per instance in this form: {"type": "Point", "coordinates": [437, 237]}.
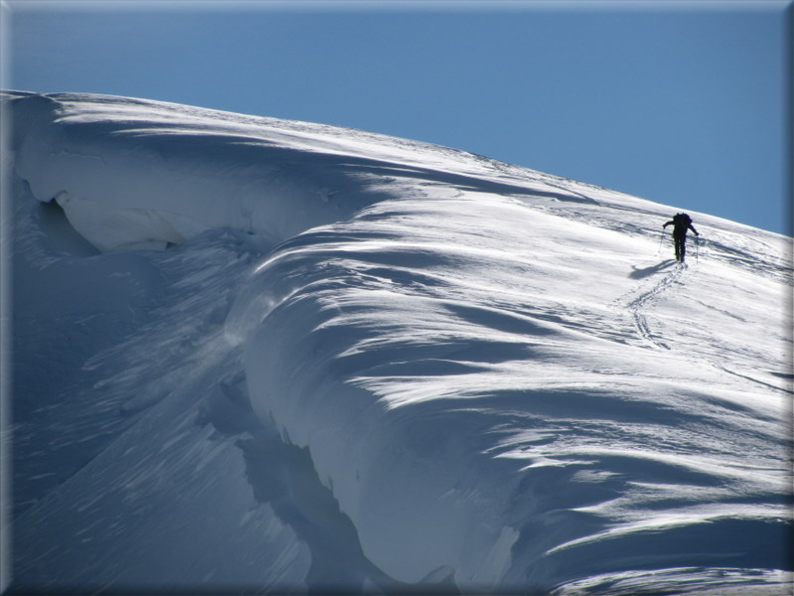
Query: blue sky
{"type": "Point", "coordinates": [682, 102]}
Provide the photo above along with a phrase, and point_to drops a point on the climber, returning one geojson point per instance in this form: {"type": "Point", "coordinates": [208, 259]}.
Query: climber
{"type": "Point", "coordinates": [681, 223]}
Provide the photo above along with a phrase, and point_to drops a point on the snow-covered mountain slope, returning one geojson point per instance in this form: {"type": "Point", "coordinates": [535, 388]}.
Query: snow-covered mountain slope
{"type": "Point", "coordinates": [261, 356]}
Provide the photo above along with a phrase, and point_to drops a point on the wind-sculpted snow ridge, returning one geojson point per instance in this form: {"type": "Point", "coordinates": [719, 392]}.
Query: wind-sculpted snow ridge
{"type": "Point", "coordinates": [371, 365]}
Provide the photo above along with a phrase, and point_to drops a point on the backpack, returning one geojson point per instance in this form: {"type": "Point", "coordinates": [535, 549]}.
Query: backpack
{"type": "Point", "coordinates": [682, 220]}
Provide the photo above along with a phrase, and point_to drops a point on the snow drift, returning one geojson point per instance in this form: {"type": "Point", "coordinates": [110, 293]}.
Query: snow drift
{"type": "Point", "coordinates": [261, 356]}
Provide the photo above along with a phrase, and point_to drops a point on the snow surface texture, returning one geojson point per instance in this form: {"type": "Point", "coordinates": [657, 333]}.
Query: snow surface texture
{"type": "Point", "coordinates": [262, 356]}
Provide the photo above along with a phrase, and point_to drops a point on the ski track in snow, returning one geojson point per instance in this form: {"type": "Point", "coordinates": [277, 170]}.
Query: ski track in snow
{"type": "Point", "coordinates": [641, 304]}
{"type": "Point", "coordinates": [261, 356]}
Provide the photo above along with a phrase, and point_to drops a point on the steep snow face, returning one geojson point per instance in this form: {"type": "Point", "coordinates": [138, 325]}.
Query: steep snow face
{"type": "Point", "coordinates": [533, 413]}
{"type": "Point", "coordinates": [367, 363]}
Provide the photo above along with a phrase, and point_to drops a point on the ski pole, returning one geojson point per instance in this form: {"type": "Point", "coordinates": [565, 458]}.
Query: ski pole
{"type": "Point", "coordinates": [661, 239]}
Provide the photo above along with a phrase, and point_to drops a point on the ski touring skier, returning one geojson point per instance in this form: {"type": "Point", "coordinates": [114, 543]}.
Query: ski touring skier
{"type": "Point", "coordinates": [681, 224]}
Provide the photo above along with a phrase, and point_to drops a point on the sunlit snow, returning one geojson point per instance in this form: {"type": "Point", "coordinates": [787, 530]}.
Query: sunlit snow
{"type": "Point", "coordinates": [253, 355]}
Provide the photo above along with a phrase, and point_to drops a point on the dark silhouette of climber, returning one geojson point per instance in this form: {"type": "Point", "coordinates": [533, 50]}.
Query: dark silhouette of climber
{"type": "Point", "coordinates": [681, 223]}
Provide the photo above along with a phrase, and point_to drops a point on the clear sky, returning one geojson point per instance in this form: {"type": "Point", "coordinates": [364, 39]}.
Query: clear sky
{"type": "Point", "coordinates": [684, 102]}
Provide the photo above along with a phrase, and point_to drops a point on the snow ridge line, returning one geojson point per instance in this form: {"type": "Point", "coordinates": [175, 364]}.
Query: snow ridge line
{"type": "Point", "coordinates": [647, 300]}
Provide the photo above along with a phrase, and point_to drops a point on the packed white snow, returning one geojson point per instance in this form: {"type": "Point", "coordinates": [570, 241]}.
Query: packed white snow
{"type": "Point", "coordinates": [253, 355]}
